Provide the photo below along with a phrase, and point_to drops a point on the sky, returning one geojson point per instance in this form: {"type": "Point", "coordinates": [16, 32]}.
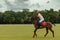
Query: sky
{"type": "Point", "coordinates": [17, 5]}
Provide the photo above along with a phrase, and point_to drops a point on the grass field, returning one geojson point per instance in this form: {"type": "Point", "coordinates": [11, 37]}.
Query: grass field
{"type": "Point", "coordinates": [25, 32]}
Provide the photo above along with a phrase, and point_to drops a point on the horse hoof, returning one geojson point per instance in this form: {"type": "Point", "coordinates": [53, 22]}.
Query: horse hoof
{"type": "Point", "coordinates": [33, 36]}
{"type": "Point", "coordinates": [44, 35]}
{"type": "Point", "coordinates": [53, 36]}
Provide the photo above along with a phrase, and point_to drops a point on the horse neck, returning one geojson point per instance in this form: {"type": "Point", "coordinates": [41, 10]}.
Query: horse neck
{"type": "Point", "coordinates": [35, 21]}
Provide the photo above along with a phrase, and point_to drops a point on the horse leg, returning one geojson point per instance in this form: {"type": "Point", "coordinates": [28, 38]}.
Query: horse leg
{"type": "Point", "coordinates": [50, 27]}
{"type": "Point", "coordinates": [46, 31]}
{"type": "Point", "coordinates": [35, 33]}
{"type": "Point", "coordinates": [52, 31]}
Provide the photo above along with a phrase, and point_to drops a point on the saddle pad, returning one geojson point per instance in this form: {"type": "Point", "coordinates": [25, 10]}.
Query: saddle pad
{"type": "Point", "coordinates": [43, 23]}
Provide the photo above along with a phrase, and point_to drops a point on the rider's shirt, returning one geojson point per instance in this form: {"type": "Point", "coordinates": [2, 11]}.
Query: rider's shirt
{"type": "Point", "coordinates": [41, 17]}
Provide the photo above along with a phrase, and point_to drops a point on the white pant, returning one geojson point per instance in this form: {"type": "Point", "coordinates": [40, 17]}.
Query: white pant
{"type": "Point", "coordinates": [41, 20]}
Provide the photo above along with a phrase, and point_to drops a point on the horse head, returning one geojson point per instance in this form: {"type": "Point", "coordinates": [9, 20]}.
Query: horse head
{"type": "Point", "coordinates": [34, 18]}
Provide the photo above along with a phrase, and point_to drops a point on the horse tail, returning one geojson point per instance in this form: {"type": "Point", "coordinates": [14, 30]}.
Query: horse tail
{"type": "Point", "coordinates": [52, 23]}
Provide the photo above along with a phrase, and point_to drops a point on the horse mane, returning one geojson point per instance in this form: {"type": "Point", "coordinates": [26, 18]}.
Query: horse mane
{"type": "Point", "coordinates": [34, 17]}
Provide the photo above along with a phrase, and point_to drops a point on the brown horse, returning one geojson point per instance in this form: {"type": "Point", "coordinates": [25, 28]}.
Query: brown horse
{"type": "Point", "coordinates": [48, 26]}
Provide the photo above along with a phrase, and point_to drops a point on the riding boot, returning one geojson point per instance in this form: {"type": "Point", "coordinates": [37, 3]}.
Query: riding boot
{"type": "Point", "coordinates": [39, 25]}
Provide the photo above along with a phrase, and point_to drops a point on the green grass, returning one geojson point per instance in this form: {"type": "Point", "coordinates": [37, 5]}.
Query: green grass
{"type": "Point", "coordinates": [25, 32]}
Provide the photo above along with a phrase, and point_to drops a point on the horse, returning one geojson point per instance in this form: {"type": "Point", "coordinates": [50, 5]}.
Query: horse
{"type": "Point", "coordinates": [48, 26]}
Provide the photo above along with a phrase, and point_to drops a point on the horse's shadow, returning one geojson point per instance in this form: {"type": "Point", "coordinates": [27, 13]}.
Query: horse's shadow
{"type": "Point", "coordinates": [44, 38]}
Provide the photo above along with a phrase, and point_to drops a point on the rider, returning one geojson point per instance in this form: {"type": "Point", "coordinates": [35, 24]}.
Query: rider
{"type": "Point", "coordinates": [41, 18]}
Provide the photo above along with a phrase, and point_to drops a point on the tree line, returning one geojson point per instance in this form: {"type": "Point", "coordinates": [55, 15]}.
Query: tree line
{"type": "Point", "coordinates": [12, 17]}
